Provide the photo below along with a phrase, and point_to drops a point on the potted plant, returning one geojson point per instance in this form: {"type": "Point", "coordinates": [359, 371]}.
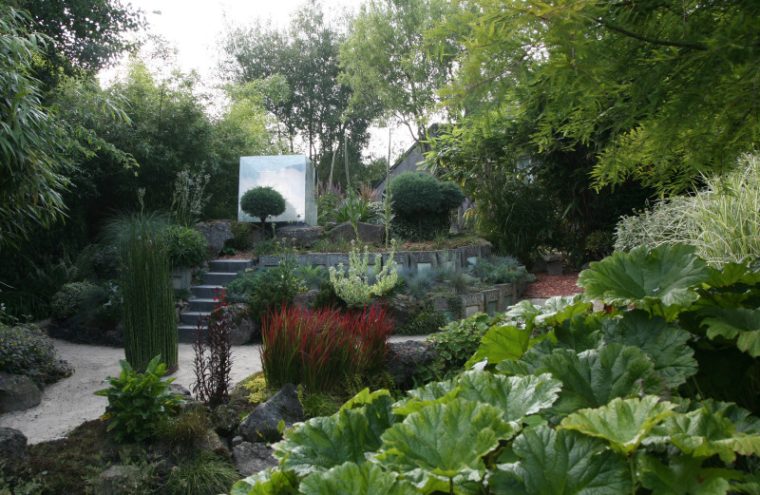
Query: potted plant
{"type": "Point", "coordinates": [187, 250]}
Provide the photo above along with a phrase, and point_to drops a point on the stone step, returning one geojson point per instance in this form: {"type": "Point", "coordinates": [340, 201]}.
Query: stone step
{"type": "Point", "coordinates": [231, 266]}
{"type": "Point", "coordinates": [218, 278]}
{"type": "Point", "coordinates": [193, 317]}
{"type": "Point", "coordinates": [201, 304]}
{"type": "Point", "coordinates": [186, 333]}
{"type": "Point", "coordinates": [206, 291]}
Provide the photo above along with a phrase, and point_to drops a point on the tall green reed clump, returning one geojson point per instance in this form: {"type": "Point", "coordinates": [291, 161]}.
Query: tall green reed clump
{"type": "Point", "coordinates": [150, 326]}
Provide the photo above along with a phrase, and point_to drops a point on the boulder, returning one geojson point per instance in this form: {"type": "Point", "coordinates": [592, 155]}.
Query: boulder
{"type": "Point", "coordinates": [262, 424]}
{"type": "Point", "coordinates": [300, 235]}
{"type": "Point", "coordinates": [243, 328]}
{"type": "Point", "coordinates": [306, 299]}
{"type": "Point", "coordinates": [12, 446]}
{"type": "Point", "coordinates": [216, 232]}
{"type": "Point", "coordinates": [250, 458]}
{"type": "Point", "coordinates": [369, 233]}
{"type": "Point", "coordinates": [212, 442]}
{"type": "Point", "coordinates": [118, 480]}
{"type": "Point", "coordinates": [404, 358]}
{"type": "Point", "coordinates": [18, 392]}
{"type": "Point", "coordinates": [181, 390]}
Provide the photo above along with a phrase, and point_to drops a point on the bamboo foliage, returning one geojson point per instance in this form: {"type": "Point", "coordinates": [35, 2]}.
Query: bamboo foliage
{"type": "Point", "coordinates": [150, 326]}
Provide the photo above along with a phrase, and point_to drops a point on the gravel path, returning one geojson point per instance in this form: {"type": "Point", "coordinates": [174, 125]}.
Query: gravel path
{"type": "Point", "coordinates": [71, 401]}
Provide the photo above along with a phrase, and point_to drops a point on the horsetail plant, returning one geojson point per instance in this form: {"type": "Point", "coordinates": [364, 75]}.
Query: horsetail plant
{"type": "Point", "coordinates": [150, 326]}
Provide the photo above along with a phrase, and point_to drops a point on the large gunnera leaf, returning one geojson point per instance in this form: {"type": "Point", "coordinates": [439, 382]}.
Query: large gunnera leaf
{"type": "Point", "coordinates": [624, 423]}
{"type": "Point", "coordinates": [267, 482]}
{"type": "Point", "coordinates": [665, 344]}
{"type": "Point", "coordinates": [354, 479]}
{"type": "Point", "coordinates": [515, 396]}
{"type": "Point", "coordinates": [561, 463]}
{"type": "Point", "coordinates": [741, 324]}
{"type": "Point", "coordinates": [665, 275]}
{"type": "Point", "coordinates": [444, 440]}
{"type": "Point", "coordinates": [325, 442]}
{"type": "Point", "coordinates": [501, 342]}
{"type": "Point", "coordinates": [704, 433]}
{"type": "Point", "coordinates": [683, 475]}
{"type": "Point", "coordinates": [595, 377]}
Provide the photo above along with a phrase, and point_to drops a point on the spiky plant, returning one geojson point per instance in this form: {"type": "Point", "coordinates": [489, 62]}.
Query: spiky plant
{"type": "Point", "coordinates": [150, 326]}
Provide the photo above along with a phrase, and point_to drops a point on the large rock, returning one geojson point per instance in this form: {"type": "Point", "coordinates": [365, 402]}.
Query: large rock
{"type": "Point", "coordinates": [300, 235]}
{"type": "Point", "coordinates": [118, 480]}
{"type": "Point", "coordinates": [262, 424]}
{"type": "Point", "coordinates": [216, 232]}
{"type": "Point", "coordinates": [250, 458]}
{"type": "Point", "coordinates": [12, 446]}
{"type": "Point", "coordinates": [243, 328]}
{"type": "Point", "coordinates": [18, 392]}
{"type": "Point", "coordinates": [369, 233]}
{"type": "Point", "coordinates": [404, 358]}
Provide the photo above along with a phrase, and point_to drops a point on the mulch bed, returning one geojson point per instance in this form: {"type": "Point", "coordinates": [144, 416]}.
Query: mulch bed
{"type": "Point", "coordinates": [553, 285]}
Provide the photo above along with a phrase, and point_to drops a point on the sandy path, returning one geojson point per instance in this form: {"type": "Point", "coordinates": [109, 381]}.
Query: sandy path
{"type": "Point", "coordinates": [71, 401]}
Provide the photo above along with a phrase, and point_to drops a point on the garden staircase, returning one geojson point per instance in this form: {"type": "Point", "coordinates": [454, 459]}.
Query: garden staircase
{"type": "Point", "coordinates": [201, 303]}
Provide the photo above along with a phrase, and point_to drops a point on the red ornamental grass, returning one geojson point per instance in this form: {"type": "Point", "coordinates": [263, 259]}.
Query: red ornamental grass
{"type": "Point", "coordinates": [318, 348]}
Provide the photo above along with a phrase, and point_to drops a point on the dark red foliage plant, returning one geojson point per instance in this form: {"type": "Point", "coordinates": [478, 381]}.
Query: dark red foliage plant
{"type": "Point", "coordinates": [319, 348]}
{"type": "Point", "coordinates": [213, 355]}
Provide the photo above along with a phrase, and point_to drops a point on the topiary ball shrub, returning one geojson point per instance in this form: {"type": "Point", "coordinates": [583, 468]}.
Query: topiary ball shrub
{"type": "Point", "coordinates": [26, 350]}
{"type": "Point", "coordinates": [262, 202]}
{"type": "Point", "coordinates": [422, 205]}
{"type": "Point", "coordinates": [415, 194]}
{"type": "Point", "coordinates": [187, 247]}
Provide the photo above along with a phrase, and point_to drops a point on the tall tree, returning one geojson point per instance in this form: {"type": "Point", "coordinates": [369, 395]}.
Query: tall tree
{"type": "Point", "coordinates": [86, 35]}
{"type": "Point", "coordinates": [660, 91]}
{"type": "Point", "coordinates": [387, 60]}
{"type": "Point", "coordinates": [316, 109]}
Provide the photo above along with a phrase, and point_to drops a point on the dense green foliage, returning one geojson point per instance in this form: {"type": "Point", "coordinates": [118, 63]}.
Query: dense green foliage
{"type": "Point", "coordinates": [139, 403]}
{"type": "Point", "coordinates": [262, 202]}
{"type": "Point", "coordinates": [559, 399]}
{"type": "Point", "coordinates": [186, 246]}
{"type": "Point", "coordinates": [200, 475]}
{"type": "Point", "coordinates": [26, 350]}
{"type": "Point", "coordinates": [33, 177]}
{"type": "Point", "coordinates": [150, 326]}
{"type": "Point", "coordinates": [422, 205]}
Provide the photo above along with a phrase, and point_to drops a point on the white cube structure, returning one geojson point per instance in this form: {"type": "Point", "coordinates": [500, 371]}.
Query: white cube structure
{"type": "Point", "coordinates": [290, 175]}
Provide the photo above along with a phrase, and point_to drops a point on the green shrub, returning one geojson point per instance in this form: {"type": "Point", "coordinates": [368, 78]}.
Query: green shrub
{"type": "Point", "coordinates": [422, 204]}
{"type": "Point", "coordinates": [75, 297]}
{"type": "Point", "coordinates": [318, 403]}
{"type": "Point", "coordinates": [267, 288]}
{"type": "Point", "coordinates": [327, 205]}
{"type": "Point", "coordinates": [26, 350]}
{"type": "Point", "coordinates": [262, 202]}
{"type": "Point", "coordinates": [426, 321]}
{"type": "Point", "coordinates": [187, 247]}
{"type": "Point", "coordinates": [139, 404]}
{"type": "Point", "coordinates": [241, 236]}
{"type": "Point", "coordinates": [454, 345]}
{"type": "Point", "coordinates": [203, 474]}
{"type": "Point", "coordinates": [501, 270]}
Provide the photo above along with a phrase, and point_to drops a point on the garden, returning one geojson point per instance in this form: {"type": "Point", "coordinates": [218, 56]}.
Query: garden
{"type": "Point", "coordinates": [551, 285]}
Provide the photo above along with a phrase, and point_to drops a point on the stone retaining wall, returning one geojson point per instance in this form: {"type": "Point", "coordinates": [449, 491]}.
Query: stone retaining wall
{"type": "Point", "coordinates": [453, 259]}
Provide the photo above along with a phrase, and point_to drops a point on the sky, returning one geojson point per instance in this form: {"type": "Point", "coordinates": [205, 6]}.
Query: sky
{"type": "Point", "coordinates": [194, 29]}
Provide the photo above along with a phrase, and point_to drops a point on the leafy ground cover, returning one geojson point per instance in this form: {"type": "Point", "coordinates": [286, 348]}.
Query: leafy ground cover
{"type": "Point", "coordinates": [564, 399]}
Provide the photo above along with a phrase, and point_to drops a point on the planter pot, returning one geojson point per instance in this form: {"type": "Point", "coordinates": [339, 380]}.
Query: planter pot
{"type": "Point", "coordinates": [182, 278]}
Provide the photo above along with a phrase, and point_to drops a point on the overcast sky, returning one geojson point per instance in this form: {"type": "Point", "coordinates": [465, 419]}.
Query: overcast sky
{"type": "Point", "coordinates": [195, 27]}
